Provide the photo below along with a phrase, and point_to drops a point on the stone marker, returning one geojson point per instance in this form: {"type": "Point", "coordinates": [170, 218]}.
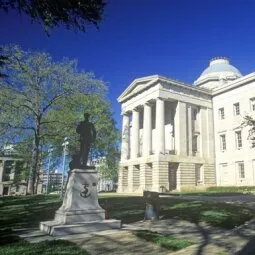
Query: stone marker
{"type": "Point", "coordinates": [80, 211]}
{"type": "Point", "coordinates": [152, 205]}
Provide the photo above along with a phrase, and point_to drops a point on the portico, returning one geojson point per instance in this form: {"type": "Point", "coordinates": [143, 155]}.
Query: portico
{"type": "Point", "coordinates": [164, 135]}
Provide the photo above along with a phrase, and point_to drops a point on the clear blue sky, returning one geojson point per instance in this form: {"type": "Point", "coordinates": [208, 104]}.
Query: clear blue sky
{"type": "Point", "coordinates": [174, 38]}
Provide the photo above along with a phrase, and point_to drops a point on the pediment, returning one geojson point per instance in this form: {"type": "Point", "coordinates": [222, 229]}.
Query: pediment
{"type": "Point", "coordinates": [173, 86]}
{"type": "Point", "coordinates": [138, 85]}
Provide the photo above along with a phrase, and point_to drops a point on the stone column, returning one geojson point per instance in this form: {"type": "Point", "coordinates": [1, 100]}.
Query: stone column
{"type": "Point", "coordinates": [204, 132]}
{"type": "Point", "coordinates": [189, 131]}
{"type": "Point", "coordinates": [210, 133]}
{"type": "Point", "coordinates": [160, 126]}
{"type": "Point", "coordinates": [135, 134]}
{"type": "Point", "coordinates": [125, 138]}
{"type": "Point", "coordinates": [180, 123]}
{"type": "Point", "coordinates": [147, 130]}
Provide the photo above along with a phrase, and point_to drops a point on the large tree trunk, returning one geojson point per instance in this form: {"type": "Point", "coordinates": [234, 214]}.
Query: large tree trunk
{"type": "Point", "coordinates": [34, 167]}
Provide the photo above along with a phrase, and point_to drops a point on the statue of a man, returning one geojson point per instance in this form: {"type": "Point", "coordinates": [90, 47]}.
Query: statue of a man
{"type": "Point", "coordinates": [87, 133]}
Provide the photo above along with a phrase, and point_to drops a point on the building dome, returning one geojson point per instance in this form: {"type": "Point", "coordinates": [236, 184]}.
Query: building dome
{"type": "Point", "coordinates": [220, 69]}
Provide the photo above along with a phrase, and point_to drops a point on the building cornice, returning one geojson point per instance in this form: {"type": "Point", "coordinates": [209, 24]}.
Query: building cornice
{"type": "Point", "coordinates": [234, 84]}
{"type": "Point", "coordinates": [152, 80]}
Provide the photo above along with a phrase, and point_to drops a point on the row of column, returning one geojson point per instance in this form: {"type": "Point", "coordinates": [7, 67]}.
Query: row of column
{"type": "Point", "coordinates": [147, 131]}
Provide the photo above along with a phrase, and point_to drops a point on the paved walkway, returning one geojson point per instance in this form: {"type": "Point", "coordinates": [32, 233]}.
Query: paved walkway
{"type": "Point", "coordinates": [206, 239]}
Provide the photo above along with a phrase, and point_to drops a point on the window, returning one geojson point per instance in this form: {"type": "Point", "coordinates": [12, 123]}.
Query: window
{"type": "Point", "coordinates": [240, 169]}
{"type": "Point", "coordinates": [252, 103]}
{"type": "Point", "coordinates": [223, 142]}
{"type": "Point", "coordinates": [236, 109]}
{"type": "Point", "coordinates": [238, 135]}
{"type": "Point", "coordinates": [221, 114]}
{"type": "Point", "coordinates": [194, 114]}
{"type": "Point", "coordinates": [194, 143]}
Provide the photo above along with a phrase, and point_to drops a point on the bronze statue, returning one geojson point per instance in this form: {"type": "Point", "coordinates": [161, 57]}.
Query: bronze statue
{"type": "Point", "coordinates": [87, 133]}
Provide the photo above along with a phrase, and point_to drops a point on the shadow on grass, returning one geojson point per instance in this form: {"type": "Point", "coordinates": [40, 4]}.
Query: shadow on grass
{"type": "Point", "coordinates": [249, 248]}
{"type": "Point", "coordinates": [131, 209]}
{"type": "Point", "coordinates": [127, 209]}
{"type": "Point", "coordinates": [166, 241]}
{"type": "Point", "coordinates": [55, 247]}
{"type": "Point", "coordinates": [215, 214]}
{"type": "Point", "coordinates": [24, 212]}
{"type": "Point", "coordinates": [27, 211]}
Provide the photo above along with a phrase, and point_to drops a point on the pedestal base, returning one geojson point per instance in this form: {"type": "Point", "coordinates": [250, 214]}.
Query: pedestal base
{"type": "Point", "coordinates": [73, 216]}
{"type": "Point", "coordinates": [54, 228]}
{"type": "Point", "coordinates": [80, 211]}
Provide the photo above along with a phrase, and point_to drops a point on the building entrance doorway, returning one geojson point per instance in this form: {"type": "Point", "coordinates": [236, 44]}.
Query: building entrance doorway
{"type": "Point", "coordinates": [5, 191]}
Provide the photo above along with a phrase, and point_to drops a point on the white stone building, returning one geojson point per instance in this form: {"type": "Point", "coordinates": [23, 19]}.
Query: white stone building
{"type": "Point", "coordinates": [177, 135]}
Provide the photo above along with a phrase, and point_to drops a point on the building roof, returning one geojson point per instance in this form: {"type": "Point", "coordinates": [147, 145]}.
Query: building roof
{"type": "Point", "coordinates": [220, 68]}
{"type": "Point", "coordinates": [142, 83]}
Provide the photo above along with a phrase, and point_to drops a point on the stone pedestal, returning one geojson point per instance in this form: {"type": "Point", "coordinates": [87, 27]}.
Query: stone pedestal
{"type": "Point", "coordinates": [80, 211]}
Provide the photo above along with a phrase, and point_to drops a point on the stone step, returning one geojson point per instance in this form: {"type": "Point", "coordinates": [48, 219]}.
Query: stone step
{"type": "Point", "coordinates": [55, 228]}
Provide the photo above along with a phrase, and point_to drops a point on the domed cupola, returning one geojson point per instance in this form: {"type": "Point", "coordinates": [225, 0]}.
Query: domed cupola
{"type": "Point", "coordinates": [219, 72]}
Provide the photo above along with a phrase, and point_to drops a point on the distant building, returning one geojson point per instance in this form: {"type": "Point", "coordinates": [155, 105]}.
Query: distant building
{"type": "Point", "coordinates": [12, 181]}
{"type": "Point", "coordinates": [177, 135]}
{"type": "Point", "coordinates": [55, 181]}
{"type": "Point", "coordinates": [104, 184]}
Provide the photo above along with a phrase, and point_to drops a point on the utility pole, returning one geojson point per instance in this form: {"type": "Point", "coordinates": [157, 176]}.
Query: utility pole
{"type": "Point", "coordinates": [48, 169]}
{"type": "Point", "coordinates": [65, 143]}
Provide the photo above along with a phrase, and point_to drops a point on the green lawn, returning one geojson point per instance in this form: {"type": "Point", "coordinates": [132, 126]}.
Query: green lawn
{"type": "Point", "coordinates": [56, 247]}
{"type": "Point", "coordinates": [28, 211]}
{"type": "Point", "coordinates": [166, 241]}
{"type": "Point", "coordinates": [131, 209]}
{"type": "Point", "coordinates": [218, 191]}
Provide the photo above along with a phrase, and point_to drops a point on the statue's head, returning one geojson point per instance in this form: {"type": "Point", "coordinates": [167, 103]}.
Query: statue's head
{"type": "Point", "coordinates": [86, 116]}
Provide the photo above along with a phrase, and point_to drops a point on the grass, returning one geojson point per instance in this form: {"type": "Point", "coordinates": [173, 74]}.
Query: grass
{"type": "Point", "coordinates": [131, 209]}
{"type": "Point", "coordinates": [218, 191]}
{"type": "Point", "coordinates": [56, 247]}
{"type": "Point", "coordinates": [213, 213]}
{"type": "Point", "coordinates": [166, 241]}
{"type": "Point", "coordinates": [28, 211]}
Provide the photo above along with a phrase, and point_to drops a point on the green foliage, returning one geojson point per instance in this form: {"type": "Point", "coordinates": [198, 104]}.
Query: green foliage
{"type": "Point", "coordinates": [108, 168]}
{"type": "Point", "coordinates": [2, 62]}
{"type": "Point", "coordinates": [55, 247]}
{"type": "Point", "coordinates": [166, 241]}
{"type": "Point", "coordinates": [249, 121]}
{"type": "Point", "coordinates": [40, 101]}
{"type": "Point", "coordinates": [77, 14]}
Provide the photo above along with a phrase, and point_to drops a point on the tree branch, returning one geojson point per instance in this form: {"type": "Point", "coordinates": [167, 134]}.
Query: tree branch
{"type": "Point", "coordinates": [53, 100]}
{"type": "Point", "coordinates": [17, 127]}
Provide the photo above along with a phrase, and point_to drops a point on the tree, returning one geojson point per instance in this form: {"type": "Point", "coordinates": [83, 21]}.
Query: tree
{"type": "Point", "coordinates": [106, 144]}
{"type": "Point", "coordinates": [35, 88]}
{"type": "Point", "coordinates": [74, 14]}
{"type": "Point", "coordinates": [2, 61]}
{"type": "Point", "coordinates": [77, 14]}
{"type": "Point", "coordinates": [249, 121]}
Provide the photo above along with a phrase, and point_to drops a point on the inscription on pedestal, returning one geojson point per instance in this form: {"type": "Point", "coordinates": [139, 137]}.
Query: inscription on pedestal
{"type": "Point", "coordinates": [85, 193]}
